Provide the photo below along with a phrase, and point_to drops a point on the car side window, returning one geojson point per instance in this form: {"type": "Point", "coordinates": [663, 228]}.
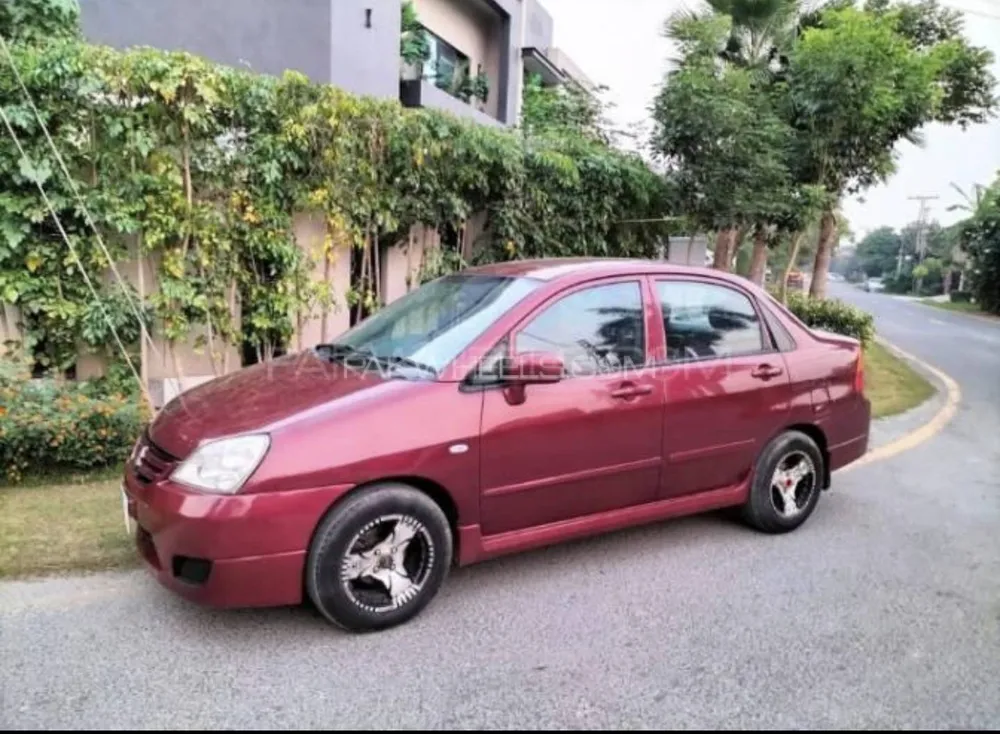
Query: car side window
{"type": "Point", "coordinates": [598, 329]}
{"type": "Point", "coordinates": [702, 321]}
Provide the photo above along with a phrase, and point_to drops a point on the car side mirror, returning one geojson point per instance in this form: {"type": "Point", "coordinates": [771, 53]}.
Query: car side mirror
{"type": "Point", "coordinates": [529, 368]}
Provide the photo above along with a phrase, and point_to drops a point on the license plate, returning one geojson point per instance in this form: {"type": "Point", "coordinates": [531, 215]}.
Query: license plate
{"type": "Point", "coordinates": [128, 518]}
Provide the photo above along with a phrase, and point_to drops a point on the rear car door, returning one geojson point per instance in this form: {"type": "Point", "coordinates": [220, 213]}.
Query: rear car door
{"type": "Point", "coordinates": [590, 442]}
{"type": "Point", "coordinates": [726, 384]}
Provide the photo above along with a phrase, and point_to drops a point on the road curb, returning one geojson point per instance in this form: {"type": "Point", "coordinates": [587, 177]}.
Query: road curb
{"type": "Point", "coordinates": [912, 439]}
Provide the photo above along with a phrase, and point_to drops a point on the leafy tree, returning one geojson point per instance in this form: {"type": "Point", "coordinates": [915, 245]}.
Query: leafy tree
{"type": "Point", "coordinates": [963, 75]}
{"type": "Point", "coordinates": [980, 238]}
{"type": "Point", "coordinates": [876, 254]}
{"type": "Point", "coordinates": [720, 137]}
{"type": "Point", "coordinates": [928, 274]}
{"type": "Point", "coordinates": [757, 39]}
{"type": "Point", "coordinates": [855, 87]}
{"type": "Point", "coordinates": [564, 109]}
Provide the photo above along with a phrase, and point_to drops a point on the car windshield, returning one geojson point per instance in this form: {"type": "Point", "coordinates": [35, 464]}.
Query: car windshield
{"type": "Point", "coordinates": [429, 327]}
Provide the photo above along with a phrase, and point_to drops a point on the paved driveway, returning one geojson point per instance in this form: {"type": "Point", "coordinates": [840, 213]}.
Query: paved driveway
{"type": "Point", "coordinates": [883, 611]}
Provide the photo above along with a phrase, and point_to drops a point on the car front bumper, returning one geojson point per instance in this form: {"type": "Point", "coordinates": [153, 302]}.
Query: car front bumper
{"type": "Point", "coordinates": [225, 551]}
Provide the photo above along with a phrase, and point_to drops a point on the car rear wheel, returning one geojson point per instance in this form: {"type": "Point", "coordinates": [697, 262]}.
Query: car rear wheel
{"type": "Point", "coordinates": [378, 558]}
{"type": "Point", "coordinates": [786, 484]}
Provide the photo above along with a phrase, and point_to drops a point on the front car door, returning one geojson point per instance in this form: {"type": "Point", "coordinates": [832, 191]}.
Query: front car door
{"type": "Point", "coordinates": [727, 386]}
{"type": "Point", "coordinates": [590, 442]}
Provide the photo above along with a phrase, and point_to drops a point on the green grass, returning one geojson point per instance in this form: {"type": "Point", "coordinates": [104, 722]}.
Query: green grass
{"type": "Point", "coordinates": [891, 384]}
{"type": "Point", "coordinates": [67, 526]}
{"type": "Point", "coordinates": [960, 307]}
{"type": "Point", "coordinates": [62, 522]}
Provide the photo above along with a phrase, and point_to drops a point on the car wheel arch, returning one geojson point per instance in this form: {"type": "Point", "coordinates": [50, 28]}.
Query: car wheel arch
{"type": "Point", "coordinates": [437, 492]}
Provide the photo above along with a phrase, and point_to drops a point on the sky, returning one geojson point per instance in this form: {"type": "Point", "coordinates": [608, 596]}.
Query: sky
{"type": "Point", "coordinates": [620, 44]}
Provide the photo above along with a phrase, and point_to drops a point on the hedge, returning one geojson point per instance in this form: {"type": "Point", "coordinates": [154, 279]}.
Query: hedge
{"type": "Point", "coordinates": [833, 315]}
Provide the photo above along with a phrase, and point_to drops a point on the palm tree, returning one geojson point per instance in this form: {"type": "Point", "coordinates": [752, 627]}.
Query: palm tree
{"type": "Point", "coordinates": [761, 31]}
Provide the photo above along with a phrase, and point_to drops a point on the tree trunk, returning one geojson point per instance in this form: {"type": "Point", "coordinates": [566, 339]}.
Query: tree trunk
{"type": "Point", "coordinates": [724, 241]}
{"type": "Point", "coordinates": [758, 260]}
{"type": "Point", "coordinates": [824, 252]}
{"type": "Point", "coordinates": [793, 255]}
{"type": "Point", "coordinates": [734, 246]}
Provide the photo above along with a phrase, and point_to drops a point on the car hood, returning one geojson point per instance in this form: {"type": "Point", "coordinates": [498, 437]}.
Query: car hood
{"type": "Point", "coordinates": [263, 397]}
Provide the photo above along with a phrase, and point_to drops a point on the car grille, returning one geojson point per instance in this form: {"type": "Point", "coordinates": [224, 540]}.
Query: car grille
{"type": "Point", "coordinates": [151, 463]}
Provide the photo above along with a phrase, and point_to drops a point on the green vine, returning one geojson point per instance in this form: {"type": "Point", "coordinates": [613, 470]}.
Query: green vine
{"type": "Point", "coordinates": [414, 47]}
{"type": "Point", "coordinates": [198, 171]}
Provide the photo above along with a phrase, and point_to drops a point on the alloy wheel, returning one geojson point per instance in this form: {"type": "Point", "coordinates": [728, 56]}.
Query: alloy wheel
{"type": "Point", "coordinates": [792, 484]}
{"type": "Point", "coordinates": [387, 563]}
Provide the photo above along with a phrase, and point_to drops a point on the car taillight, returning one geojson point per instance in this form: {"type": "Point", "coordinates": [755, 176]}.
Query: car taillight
{"type": "Point", "coordinates": [859, 372]}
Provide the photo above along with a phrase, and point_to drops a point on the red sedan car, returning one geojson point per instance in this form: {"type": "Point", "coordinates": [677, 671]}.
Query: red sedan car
{"type": "Point", "coordinates": [491, 411]}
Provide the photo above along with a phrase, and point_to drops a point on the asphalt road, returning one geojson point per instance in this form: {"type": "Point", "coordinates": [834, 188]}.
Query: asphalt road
{"type": "Point", "coordinates": [883, 611]}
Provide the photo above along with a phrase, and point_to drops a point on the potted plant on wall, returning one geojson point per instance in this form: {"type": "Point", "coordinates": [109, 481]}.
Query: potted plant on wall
{"type": "Point", "coordinates": [414, 47]}
{"type": "Point", "coordinates": [481, 89]}
{"type": "Point", "coordinates": [474, 90]}
{"type": "Point", "coordinates": [462, 83]}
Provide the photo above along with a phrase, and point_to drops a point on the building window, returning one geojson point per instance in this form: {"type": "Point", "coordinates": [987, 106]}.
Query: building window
{"type": "Point", "coordinates": [446, 65]}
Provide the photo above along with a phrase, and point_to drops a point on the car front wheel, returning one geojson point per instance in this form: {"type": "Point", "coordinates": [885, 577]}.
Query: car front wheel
{"type": "Point", "coordinates": [786, 484]}
{"type": "Point", "coordinates": [379, 558]}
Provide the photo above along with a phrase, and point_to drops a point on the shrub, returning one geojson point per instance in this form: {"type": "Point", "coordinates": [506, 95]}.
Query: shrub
{"type": "Point", "coordinates": [961, 296]}
{"type": "Point", "coordinates": [48, 424]}
{"type": "Point", "coordinates": [833, 315]}
{"type": "Point", "coordinates": [902, 283]}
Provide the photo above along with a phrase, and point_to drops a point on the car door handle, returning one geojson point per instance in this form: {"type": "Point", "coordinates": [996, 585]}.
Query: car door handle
{"type": "Point", "coordinates": [631, 390]}
{"type": "Point", "coordinates": [765, 371]}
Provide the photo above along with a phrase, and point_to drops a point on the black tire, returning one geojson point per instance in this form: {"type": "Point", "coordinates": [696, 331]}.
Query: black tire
{"type": "Point", "coordinates": [763, 508]}
{"type": "Point", "coordinates": [354, 605]}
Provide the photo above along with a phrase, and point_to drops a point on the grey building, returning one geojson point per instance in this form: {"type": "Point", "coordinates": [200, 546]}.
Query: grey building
{"type": "Point", "coordinates": [354, 44]}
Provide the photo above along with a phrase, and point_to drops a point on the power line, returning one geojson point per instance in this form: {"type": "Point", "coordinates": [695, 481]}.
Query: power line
{"type": "Point", "coordinates": [76, 256]}
{"type": "Point", "coordinates": [144, 337]}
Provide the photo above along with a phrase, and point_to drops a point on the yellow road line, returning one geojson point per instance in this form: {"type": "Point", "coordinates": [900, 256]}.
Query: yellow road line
{"type": "Point", "coordinates": [953, 395]}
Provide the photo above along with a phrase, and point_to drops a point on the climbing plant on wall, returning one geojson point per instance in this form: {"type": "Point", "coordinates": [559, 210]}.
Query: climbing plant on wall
{"type": "Point", "coordinates": [199, 169]}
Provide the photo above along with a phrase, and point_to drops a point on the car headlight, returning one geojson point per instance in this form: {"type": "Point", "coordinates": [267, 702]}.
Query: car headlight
{"type": "Point", "coordinates": [223, 466]}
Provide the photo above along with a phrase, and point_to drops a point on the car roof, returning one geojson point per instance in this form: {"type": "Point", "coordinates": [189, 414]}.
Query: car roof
{"type": "Point", "coordinates": [581, 268]}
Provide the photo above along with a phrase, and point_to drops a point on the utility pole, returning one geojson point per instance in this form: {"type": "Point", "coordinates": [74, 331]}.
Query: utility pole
{"type": "Point", "coordinates": [921, 229]}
